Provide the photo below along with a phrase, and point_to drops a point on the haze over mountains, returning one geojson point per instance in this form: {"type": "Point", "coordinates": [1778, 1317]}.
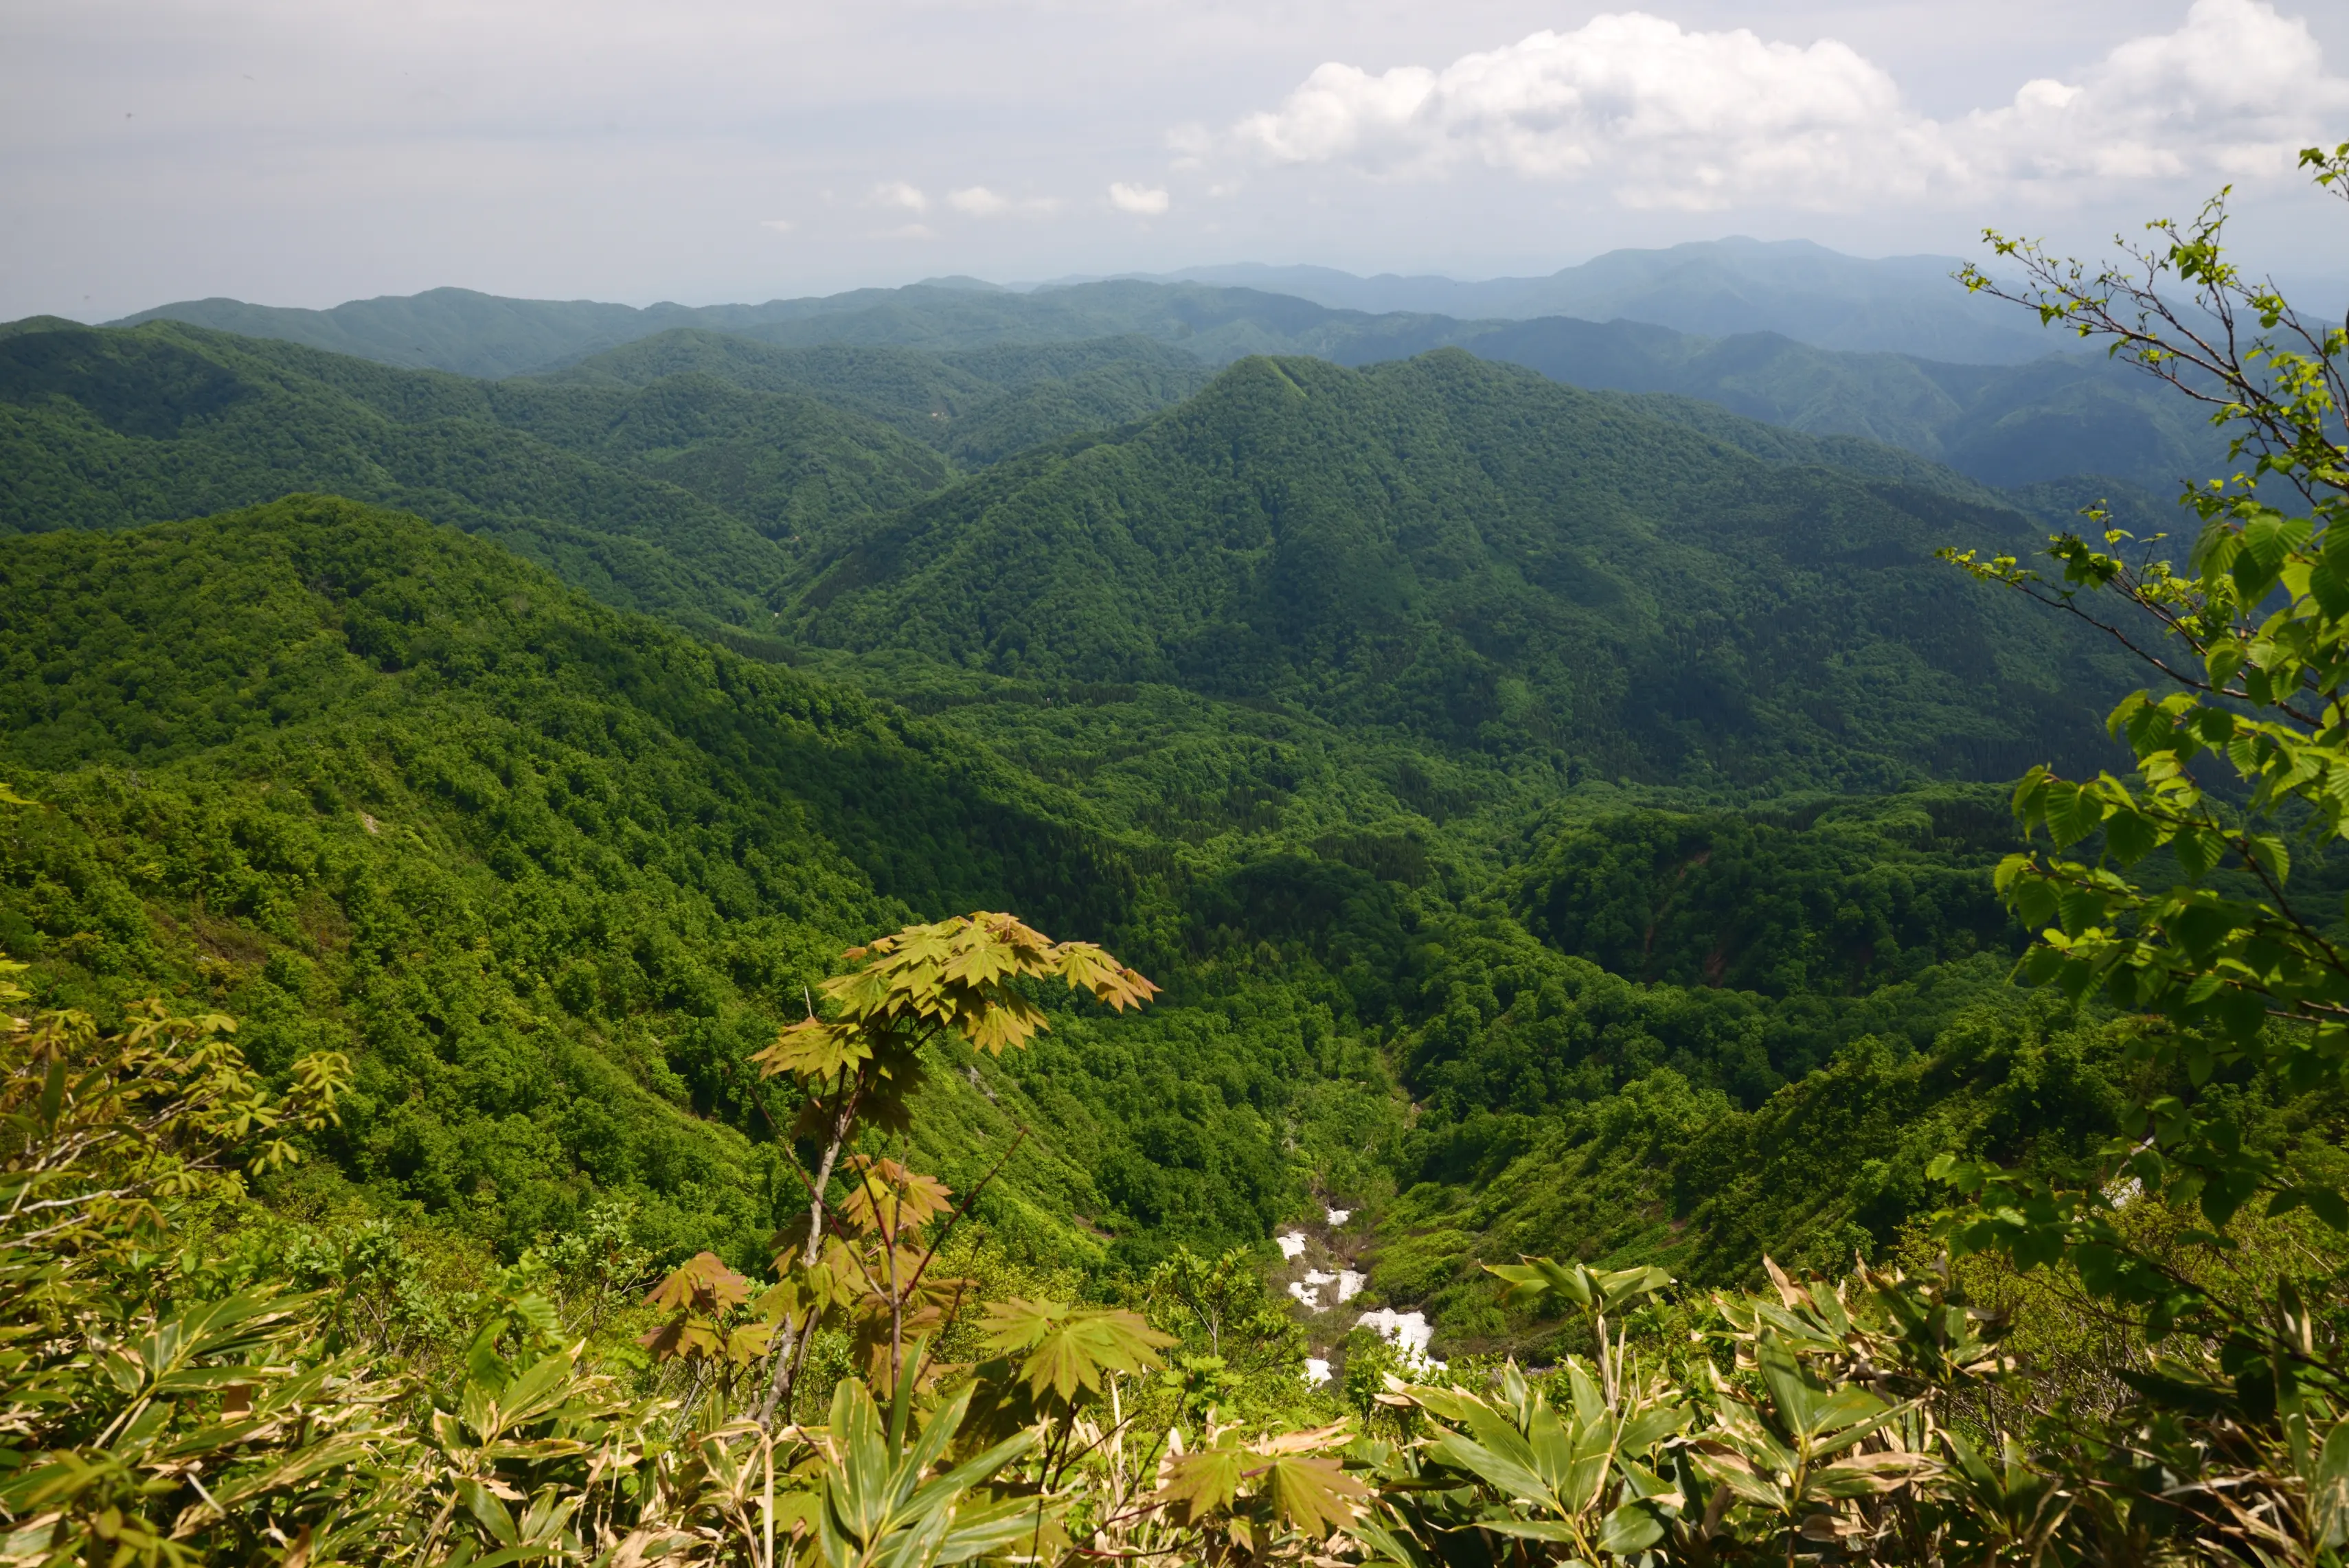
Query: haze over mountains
{"type": "Point", "coordinates": [1790, 335]}
{"type": "Point", "coordinates": [1902, 305]}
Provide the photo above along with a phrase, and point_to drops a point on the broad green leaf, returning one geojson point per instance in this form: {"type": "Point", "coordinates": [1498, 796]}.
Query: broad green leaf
{"type": "Point", "coordinates": [1312, 1493]}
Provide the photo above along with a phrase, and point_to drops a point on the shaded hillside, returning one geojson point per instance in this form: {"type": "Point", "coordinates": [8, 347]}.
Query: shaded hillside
{"type": "Point", "coordinates": [1465, 553]}
{"type": "Point", "coordinates": [2002, 425]}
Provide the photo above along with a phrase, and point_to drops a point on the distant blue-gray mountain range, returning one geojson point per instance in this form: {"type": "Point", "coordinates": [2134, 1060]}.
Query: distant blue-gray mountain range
{"type": "Point", "coordinates": [2000, 403]}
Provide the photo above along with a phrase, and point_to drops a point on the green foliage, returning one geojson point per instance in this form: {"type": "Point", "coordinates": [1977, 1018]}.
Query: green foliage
{"type": "Point", "coordinates": [670, 499]}
{"type": "Point", "coordinates": [548, 875]}
{"type": "Point", "coordinates": [1465, 554]}
{"type": "Point", "coordinates": [1242, 1355]}
{"type": "Point", "coordinates": [2000, 423]}
{"type": "Point", "coordinates": [978, 405]}
{"type": "Point", "coordinates": [1841, 904]}
{"type": "Point", "coordinates": [2239, 773]}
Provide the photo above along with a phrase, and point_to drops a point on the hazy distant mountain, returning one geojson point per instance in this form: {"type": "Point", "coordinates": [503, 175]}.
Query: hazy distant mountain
{"type": "Point", "coordinates": [2004, 424]}
{"type": "Point", "coordinates": [1904, 305]}
{"type": "Point", "coordinates": [485, 334]}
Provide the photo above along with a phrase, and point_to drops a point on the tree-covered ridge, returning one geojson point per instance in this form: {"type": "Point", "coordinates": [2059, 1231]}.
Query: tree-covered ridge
{"type": "Point", "coordinates": [676, 479]}
{"type": "Point", "coordinates": [978, 405]}
{"type": "Point", "coordinates": [548, 873]}
{"type": "Point", "coordinates": [1469, 553]}
{"type": "Point", "coordinates": [113, 429]}
{"type": "Point", "coordinates": [2005, 423]}
{"type": "Point", "coordinates": [2002, 425]}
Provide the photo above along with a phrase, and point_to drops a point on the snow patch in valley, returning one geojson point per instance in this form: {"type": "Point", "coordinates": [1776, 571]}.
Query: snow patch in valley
{"type": "Point", "coordinates": [1348, 1282]}
{"type": "Point", "coordinates": [1292, 1245]}
{"type": "Point", "coordinates": [1406, 1331]}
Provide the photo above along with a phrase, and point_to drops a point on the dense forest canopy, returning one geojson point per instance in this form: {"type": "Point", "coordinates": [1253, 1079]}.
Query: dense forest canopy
{"type": "Point", "coordinates": [1471, 554]}
{"type": "Point", "coordinates": [1068, 787]}
{"type": "Point", "coordinates": [1954, 396]}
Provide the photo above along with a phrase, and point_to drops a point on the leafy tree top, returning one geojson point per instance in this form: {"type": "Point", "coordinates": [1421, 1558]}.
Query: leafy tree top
{"type": "Point", "coordinates": [955, 976]}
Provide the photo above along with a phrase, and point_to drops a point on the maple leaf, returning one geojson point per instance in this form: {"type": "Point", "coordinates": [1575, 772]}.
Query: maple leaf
{"type": "Point", "coordinates": [1065, 1349]}
{"type": "Point", "coordinates": [701, 1284]}
{"type": "Point", "coordinates": [1198, 1486]}
{"type": "Point", "coordinates": [1088, 968]}
{"type": "Point", "coordinates": [1002, 1023]}
{"type": "Point", "coordinates": [956, 972]}
{"type": "Point", "coordinates": [666, 1341]}
{"type": "Point", "coordinates": [748, 1343]}
{"type": "Point", "coordinates": [1315, 1495]}
{"type": "Point", "coordinates": [813, 1049]}
{"type": "Point", "coordinates": [890, 1199]}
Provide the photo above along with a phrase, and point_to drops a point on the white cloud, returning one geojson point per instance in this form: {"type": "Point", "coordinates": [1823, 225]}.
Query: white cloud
{"type": "Point", "coordinates": [1676, 119]}
{"type": "Point", "coordinates": [780, 225]}
{"type": "Point", "coordinates": [897, 193]}
{"type": "Point", "coordinates": [2233, 94]}
{"type": "Point", "coordinates": [1144, 200]}
{"type": "Point", "coordinates": [906, 231]}
{"type": "Point", "coordinates": [978, 202]}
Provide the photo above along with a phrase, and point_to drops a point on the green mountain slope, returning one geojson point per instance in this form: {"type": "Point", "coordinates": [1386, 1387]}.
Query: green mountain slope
{"type": "Point", "coordinates": [1465, 553]}
{"type": "Point", "coordinates": [1338, 699]}
{"type": "Point", "coordinates": [549, 872]}
{"type": "Point", "coordinates": [668, 498]}
{"type": "Point", "coordinates": [2003, 424]}
{"type": "Point", "coordinates": [460, 330]}
{"type": "Point", "coordinates": [979, 406]}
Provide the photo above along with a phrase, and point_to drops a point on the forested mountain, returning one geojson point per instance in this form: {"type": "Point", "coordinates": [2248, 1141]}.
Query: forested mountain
{"type": "Point", "coordinates": [550, 871]}
{"type": "Point", "coordinates": [685, 473]}
{"type": "Point", "coordinates": [1468, 553]}
{"type": "Point", "coordinates": [481, 335]}
{"type": "Point", "coordinates": [1716, 288]}
{"type": "Point", "coordinates": [2055, 415]}
{"type": "Point", "coordinates": [1501, 777]}
{"type": "Point", "coordinates": [977, 405]}
{"type": "Point", "coordinates": [2003, 424]}
{"type": "Point", "coordinates": [104, 429]}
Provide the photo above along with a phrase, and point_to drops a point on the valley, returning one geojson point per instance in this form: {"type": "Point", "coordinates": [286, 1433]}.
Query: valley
{"type": "Point", "coordinates": [1501, 779]}
{"type": "Point", "coordinates": [1110, 786]}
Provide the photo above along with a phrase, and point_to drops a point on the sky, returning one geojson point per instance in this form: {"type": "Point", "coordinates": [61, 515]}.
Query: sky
{"type": "Point", "coordinates": [309, 152]}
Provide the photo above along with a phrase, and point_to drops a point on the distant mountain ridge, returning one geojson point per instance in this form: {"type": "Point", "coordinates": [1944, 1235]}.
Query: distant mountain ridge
{"type": "Point", "coordinates": [1714, 288]}
{"type": "Point", "coordinates": [2016, 424]}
